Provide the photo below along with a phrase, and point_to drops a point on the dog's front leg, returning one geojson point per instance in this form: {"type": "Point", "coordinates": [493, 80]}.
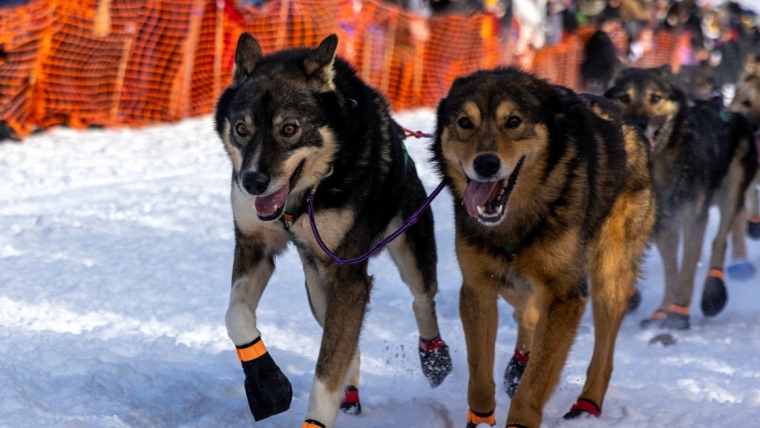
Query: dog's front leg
{"type": "Point", "coordinates": [561, 306]}
{"type": "Point", "coordinates": [479, 313]}
{"type": "Point", "coordinates": [348, 289]}
{"type": "Point", "coordinates": [266, 387]}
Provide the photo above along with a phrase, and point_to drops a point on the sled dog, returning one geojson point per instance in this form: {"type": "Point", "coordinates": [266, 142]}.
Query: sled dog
{"type": "Point", "coordinates": [702, 156]}
{"type": "Point", "coordinates": [550, 189]}
{"type": "Point", "coordinates": [300, 123]}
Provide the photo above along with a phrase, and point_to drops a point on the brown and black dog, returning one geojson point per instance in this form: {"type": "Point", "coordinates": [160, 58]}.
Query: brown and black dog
{"type": "Point", "coordinates": [701, 156]}
{"type": "Point", "coordinates": [747, 103]}
{"type": "Point", "coordinates": [550, 188]}
{"type": "Point", "coordinates": [299, 125]}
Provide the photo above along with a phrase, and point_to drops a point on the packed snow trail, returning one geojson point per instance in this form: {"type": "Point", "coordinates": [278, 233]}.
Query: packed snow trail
{"type": "Point", "coordinates": [115, 258]}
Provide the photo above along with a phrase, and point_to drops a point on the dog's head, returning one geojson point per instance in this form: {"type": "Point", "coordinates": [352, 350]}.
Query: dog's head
{"type": "Point", "coordinates": [490, 126]}
{"type": "Point", "coordinates": [747, 100]}
{"type": "Point", "coordinates": [648, 98]}
{"type": "Point", "coordinates": [275, 121]}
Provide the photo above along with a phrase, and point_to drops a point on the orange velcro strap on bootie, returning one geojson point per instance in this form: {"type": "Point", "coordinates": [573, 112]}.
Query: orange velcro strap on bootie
{"type": "Point", "coordinates": [311, 423]}
{"type": "Point", "coordinates": [480, 418]}
{"type": "Point", "coordinates": [680, 310]}
{"type": "Point", "coordinates": [252, 351]}
{"type": "Point", "coordinates": [715, 273]}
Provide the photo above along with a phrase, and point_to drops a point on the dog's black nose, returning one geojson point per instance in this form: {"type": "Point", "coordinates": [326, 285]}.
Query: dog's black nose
{"type": "Point", "coordinates": [487, 165]}
{"type": "Point", "coordinates": [255, 183]}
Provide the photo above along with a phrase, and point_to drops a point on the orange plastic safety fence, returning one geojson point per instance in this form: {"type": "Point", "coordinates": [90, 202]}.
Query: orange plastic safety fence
{"type": "Point", "coordinates": [134, 62]}
{"type": "Point", "coordinates": [21, 43]}
{"type": "Point", "coordinates": [560, 63]}
{"type": "Point", "coordinates": [77, 83]}
{"type": "Point", "coordinates": [662, 51]}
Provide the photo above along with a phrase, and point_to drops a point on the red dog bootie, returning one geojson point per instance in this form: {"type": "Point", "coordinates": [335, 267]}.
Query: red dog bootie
{"type": "Point", "coordinates": [435, 360]}
{"type": "Point", "coordinates": [583, 406]}
{"type": "Point", "coordinates": [514, 372]}
{"type": "Point", "coordinates": [350, 404]}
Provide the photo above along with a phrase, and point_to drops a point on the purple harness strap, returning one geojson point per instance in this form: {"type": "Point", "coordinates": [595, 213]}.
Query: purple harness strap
{"type": "Point", "coordinates": [392, 236]}
{"type": "Point", "coordinates": [378, 247]}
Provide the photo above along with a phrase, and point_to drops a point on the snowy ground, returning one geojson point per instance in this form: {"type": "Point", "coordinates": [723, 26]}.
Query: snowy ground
{"type": "Point", "coordinates": [115, 257]}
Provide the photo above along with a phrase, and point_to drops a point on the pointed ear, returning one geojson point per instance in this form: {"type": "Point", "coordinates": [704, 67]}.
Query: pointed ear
{"type": "Point", "coordinates": [319, 62]}
{"type": "Point", "coordinates": [551, 98]}
{"type": "Point", "coordinates": [247, 54]}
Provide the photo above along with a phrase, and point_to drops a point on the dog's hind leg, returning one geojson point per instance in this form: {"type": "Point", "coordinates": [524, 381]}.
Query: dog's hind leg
{"type": "Point", "coordinates": [667, 238]}
{"type": "Point", "coordinates": [714, 295]}
{"type": "Point", "coordinates": [526, 315]}
{"type": "Point", "coordinates": [347, 294]}
{"type": "Point", "coordinates": [414, 254]}
{"type": "Point", "coordinates": [693, 238]}
{"type": "Point", "coordinates": [315, 287]}
{"type": "Point", "coordinates": [614, 268]}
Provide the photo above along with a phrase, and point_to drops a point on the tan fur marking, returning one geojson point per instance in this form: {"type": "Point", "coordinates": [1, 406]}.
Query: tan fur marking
{"type": "Point", "coordinates": [333, 225]}
{"type": "Point", "coordinates": [232, 151]}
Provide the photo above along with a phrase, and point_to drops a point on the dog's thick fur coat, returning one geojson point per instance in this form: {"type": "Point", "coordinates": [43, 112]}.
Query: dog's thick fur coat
{"type": "Point", "coordinates": [297, 122]}
{"type": "Point", "coordinates": [701, 157]}
{"type": "Point", "coordinates": [550, 189]}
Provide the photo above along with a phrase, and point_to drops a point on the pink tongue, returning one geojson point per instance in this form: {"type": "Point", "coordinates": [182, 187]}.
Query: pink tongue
{"type": "Point", "coordinates": [265, 206]}
{"type": "Point", "coordinates": [478, 193]}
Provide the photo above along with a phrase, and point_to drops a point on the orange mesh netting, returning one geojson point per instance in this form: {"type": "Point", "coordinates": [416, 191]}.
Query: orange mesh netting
{"type": "Point", "coordinates": [134, 62]}
{"type": "Point", "coordinates": [77, 80]}
{"type": "Point", "coordinates": [21, 40]}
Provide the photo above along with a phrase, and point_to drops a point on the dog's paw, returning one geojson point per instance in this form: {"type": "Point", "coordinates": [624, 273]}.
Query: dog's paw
{"type": "Point", "coordinates": [676, 322]}
{"type": "Point", "coordinates": [514, 372]}
{"type": "Point", "coordinates": [474, 419]}
{"type": "Point", "coordinates": [435, 360]}
{"type": "Point", "coordinates": [741, 270]}
{"type": "Point", "coordinates": [714, 295]}
{"type": "Point", "coordinates": [634, 302]}
{"type": "Point", "coordinates": [583, 407]}
{"type": "Point", "coordinates": [655, 320]}
{"type": "Point", "coordinates": [267, 388]}
{"type": "Point", "coordinates": [753, 230]}
{"type": "Point", "coordinates": [350, 404]}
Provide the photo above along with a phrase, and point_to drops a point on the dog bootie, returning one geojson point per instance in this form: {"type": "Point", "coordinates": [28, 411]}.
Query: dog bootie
{"type": "Point", "coordinates": [350, 404]}
{"type": "Point", "coordinates": [266, 387]}
{"type": "Point", "coordinates": [583, 407]}
{"type": "Point", "coordinates": [655, 320]}
{"type": "Point", "coordinates": [714, 295]}
{"type": "Point", "coordinates": [753, 228]}
{"type": "Point", "coordinates": [514, 372]}
{"type": "Point", "coordinates": [435, 360]}
{"type": "Point", "coordinates": [474, 419]}
{"type": "Point", "coordinates": [677, 318]}
{"type": "Point", "coordinates": [741, 270]}
{"type": "Point", "coordinates": [634, 302]}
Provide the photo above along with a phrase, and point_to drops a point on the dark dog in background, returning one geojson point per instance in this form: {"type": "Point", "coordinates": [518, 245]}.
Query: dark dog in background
{"type": "Point", "coordinates": [550, 188]}
{"type": "Point", "coordinates": [296, 123]}
{"type": "Point", "coordinates": [702, 156]}
{"type": "Point", "coordinates": [600, 63]}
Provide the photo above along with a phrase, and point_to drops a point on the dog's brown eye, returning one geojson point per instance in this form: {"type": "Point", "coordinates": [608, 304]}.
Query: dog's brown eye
{"type": "Point", "coordinates": [289, 130]}
{"type": "Point", "coordinates": [656, 98]}
{"type": "Point", "coordinates": [241, 129]}
{"type": "Point", "coordinates": [625, 99]}
{"type": "Point", "coordinates": [513, 122]}
{"type": "Point", "coordinates": [464, 123]}
{"type": "Point", "coordinates": [746, 103]}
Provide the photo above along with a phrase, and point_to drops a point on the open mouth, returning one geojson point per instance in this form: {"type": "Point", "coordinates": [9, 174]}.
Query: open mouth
{"type": "Point", "coordinates": [271, 206]}
{"type": "Point", "coordinates": [487, 200]}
